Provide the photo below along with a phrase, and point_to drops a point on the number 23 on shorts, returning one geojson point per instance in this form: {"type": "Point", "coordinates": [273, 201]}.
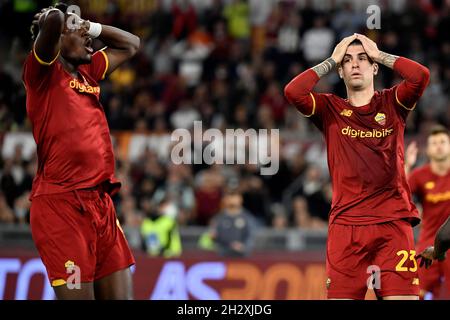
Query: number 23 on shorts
{"type": "Point", "coordinates": [412, 256]}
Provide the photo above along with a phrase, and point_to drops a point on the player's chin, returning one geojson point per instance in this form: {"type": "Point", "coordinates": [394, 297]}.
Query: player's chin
{"type": "Point", "coordinates": [440, 157]}
{"type": "Point", "coordinates": [356, 84]}
{"type": "Point", "coordinates": [86, 59]}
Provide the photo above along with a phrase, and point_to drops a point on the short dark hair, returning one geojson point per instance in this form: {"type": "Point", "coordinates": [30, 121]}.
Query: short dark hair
{"type": "Point", "coordinates": [62, 6]}
{"type": "Point", "coordinates": [438, 129]}
{"type": "Point", "coordinates": [34, 29]}
{"type": "Point", "coordinates": [355, 42]}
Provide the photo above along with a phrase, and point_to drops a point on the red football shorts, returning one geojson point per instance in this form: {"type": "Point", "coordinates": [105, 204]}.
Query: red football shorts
{"type": "Point", "coordinates": [433, 278]}
{"type": "Point", "coordinates": [79, 228]}
{"type": "Point", "coordinates": [379, 256]}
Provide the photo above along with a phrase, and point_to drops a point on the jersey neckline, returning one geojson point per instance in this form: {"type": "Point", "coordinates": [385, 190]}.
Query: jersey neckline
{"type": "Point", "coordinates": [364, 109]}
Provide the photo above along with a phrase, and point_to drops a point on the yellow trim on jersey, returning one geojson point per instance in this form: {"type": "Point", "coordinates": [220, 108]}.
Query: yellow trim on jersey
{"type": "Point", "coordinates": [120, 227]}
{"type": "Point", "coordinates": [314, 106]}
{"type": "Point", "coordinates": [42, 61]}
{"type": "Point", "coordinates": [107, 64]}
{"type": "Point", "coordinates": [58, 282]}
{"type": "Point", "coordinates": [398, 101]}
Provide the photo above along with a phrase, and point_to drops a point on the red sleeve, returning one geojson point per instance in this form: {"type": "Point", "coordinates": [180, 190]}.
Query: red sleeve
{"type": "Point", "coordinates": [413, 181]}
{"type": "Point", "coordinates": [36, 71]}
{"type": "Point", "coordinates": [99, 65]}
{"type": "Point", "coordinates": [299, 93]}
{"type": "Point", "coordinates": [415, 79]}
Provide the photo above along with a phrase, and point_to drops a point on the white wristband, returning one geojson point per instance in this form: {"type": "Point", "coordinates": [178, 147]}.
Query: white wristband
{"type": "Point", "coordinates": [95, 29]}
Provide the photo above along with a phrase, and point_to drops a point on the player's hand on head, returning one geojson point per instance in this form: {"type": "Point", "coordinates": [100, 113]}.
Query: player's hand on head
{"type": "Point", "coordinates": [36, 24]}
{"type": "Point", "coordinates": [411, 154]}
{"type": "Point", "coordinates": [370, 47]}
{"type": "Point", "coordinates": [426, 257]}
{"type": "Point", "coordinates": [37, 17]}
{"type": "Point", "coordinates": [341, 48]}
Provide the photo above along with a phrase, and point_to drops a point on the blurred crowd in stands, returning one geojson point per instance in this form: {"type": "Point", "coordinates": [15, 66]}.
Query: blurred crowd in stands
{"type": "Point", "coordinates": [225, 63]}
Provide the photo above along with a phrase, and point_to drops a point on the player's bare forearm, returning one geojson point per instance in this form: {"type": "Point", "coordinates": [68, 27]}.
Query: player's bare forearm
{"type": "Point", "coordinates": [442, 241]}
{"type": "Point", "coordinates": [122, 45]}
{"type": "Point", "coordinates": [387, 59]}
{"type": "Point", "coordinates": [119, 39]}
{"type": "Point", "coordinates": [51, 26]}
{"type": "Point", "coordinates": [324, 67]}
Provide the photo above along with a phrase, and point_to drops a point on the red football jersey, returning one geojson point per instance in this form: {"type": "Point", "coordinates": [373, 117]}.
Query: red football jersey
{"type": "Point", "coordinates": [433, 192]}
{"type": "Point", "coordinates": [69, 125]}
{"type": "Point", "coordinates": [365, 146]}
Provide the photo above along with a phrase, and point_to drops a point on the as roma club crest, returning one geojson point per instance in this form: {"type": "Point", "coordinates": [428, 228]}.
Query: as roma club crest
{"type": "Point", "coordinates": [381, 118]}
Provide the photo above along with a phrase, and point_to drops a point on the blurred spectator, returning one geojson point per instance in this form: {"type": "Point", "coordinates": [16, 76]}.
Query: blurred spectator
{"type": "Point", "coordinates": [232, 230]}
{"type": "Point", "coordinates": [347, 21]}
{"type": "Point", "coordinates": [289, 41]}
{"type": "Point", "coordinates": [208, 194]}
{"type": "Point", "coordinates": [184, 19]}
{"type": "Point", "coordinates": [302, 216]}
{"type": "Point", "coordinates": [130, 214]}
{"type": "Point", "coordinates": [255, 194]}
{"type": "Point", "coordinates": [273, 98]}
{"type": "Point", "coordinates": [190, 55]}
{"type": "Point", "coordinates": [317, 42]}
{"type": "Point", "coordinates": [185, 116]}
{"type": "Point", "coordinates": [237, 13]}
{"type": "Point", "coordinates": [159, 230]}
{"type": "Point", "coordinates": [178, 189]}
{"type": "Point", "coordinates": [319, 203]}
{"type": "Point", "coordinates": [22, 206]}
{"type": "Point", "coordinates": [6, 214]}
{"type": "Point", "coordinates": [260, 11]}
{"type": "Point", "coordinates": [8, 183]}
{"type": "Point", "coordinates": [279, 217]}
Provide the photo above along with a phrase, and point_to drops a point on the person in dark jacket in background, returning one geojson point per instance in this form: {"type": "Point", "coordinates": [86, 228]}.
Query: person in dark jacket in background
{"type": "Point", "coordinates": [232, 229]}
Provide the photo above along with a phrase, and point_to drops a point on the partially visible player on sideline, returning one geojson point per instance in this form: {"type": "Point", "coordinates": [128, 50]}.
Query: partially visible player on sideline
{"type": "Point", "coordinates": [439, 250]}
{"type": "Point", "coordinates": [431, 184]}
{"type": "Point", "coordinates": [73, 220]}
{"type": "Point", "coordinates": [370, 223]}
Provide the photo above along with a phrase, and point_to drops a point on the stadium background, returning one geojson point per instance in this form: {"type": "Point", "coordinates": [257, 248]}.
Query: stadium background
{"type": "Point", "coordinates": [224, 63]}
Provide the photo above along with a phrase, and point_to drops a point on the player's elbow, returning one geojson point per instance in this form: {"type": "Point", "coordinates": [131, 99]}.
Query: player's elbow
{"type": "Point", "coordinates": [424, 76]}
{"type": "Point", "coordinates": [289, 92]}
{"type": "Point", "coordinates": [134, 45]}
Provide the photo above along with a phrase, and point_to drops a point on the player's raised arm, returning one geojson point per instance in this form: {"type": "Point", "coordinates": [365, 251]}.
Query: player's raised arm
{"type": "Point", "coordinates": [50, 25]}
{"type": "Point", "coordinates": [121, 45]}
{"type": "Point", "coordinates": [299, 91]}
{"type": "Point", "coordinates": [415, 75]}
